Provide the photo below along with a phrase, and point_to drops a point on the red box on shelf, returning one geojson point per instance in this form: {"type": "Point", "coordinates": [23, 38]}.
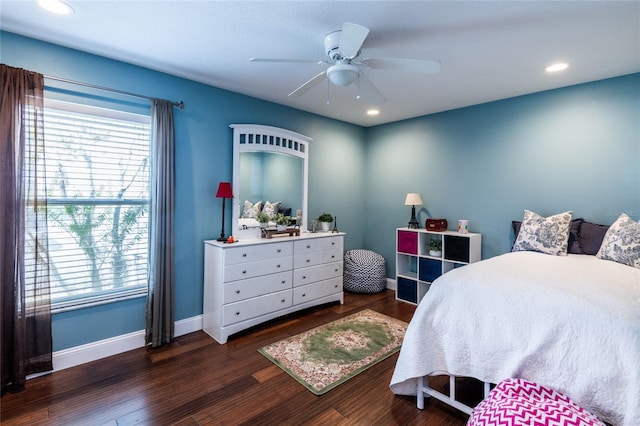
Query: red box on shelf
{"type": "Point", "coordinates": [408, 242]}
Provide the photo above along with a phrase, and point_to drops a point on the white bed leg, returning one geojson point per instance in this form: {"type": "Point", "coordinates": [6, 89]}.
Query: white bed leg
{"type": "Point", "coordinates": [420, 393]}
{"type": "Point", "coordinates": [487, 389]}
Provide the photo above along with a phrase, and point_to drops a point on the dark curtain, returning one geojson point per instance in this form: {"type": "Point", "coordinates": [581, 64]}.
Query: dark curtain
{"type": "Point", "coordinates": [160, 301]}
{"type": "Point", "coordinates": [25, 339]}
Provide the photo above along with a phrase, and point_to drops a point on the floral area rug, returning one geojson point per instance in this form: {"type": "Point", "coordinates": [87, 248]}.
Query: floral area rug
{"type": "Point", "coordinates": [326, 356]}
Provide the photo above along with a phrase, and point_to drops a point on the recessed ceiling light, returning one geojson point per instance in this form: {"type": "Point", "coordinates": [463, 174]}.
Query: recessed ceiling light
{"type": "Point", "coordinates": [56, 6]}
{"type": "Point", "coordinates": [558, 66]}
{"type": "Point", "coordinates": [373, 111]}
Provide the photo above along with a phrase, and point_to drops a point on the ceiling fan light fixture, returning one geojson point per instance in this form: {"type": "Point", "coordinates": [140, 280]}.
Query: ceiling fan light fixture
{"type": "Point", "coordinates": [342, 74]}
{"type": "Point", "coordinates": [557, 67]}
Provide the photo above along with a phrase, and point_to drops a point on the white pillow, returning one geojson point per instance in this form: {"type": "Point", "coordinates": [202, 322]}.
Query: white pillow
{"type": "Point", "coordinates": [548, 235]}
{"type": "Point", "coordinates": [250, 209]}
{"type": "Point", "coordinates": [621, 243]}
{"type": "Point", "coordinates": [271, 208]}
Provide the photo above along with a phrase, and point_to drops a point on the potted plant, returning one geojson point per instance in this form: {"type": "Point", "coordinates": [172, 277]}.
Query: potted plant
{"type": "Point", "coordinates": [264, 219]}
{"type": "Point", "coordinates": [435, 247]}
{"type": "Point", "coordinates": [325, 220]}
{"type": "Point", "coordinates": [281, 221]}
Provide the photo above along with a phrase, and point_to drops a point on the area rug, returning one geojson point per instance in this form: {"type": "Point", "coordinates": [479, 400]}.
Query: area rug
{"type": "Point", "coordinates": [326, 356]}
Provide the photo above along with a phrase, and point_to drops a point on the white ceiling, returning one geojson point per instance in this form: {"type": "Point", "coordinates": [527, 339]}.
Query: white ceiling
{"type": "Point", "coordinates": [489, 50]}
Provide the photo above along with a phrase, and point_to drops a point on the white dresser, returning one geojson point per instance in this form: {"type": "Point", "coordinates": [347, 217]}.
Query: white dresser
{"type": "Point", "coordinates": [255, 280]}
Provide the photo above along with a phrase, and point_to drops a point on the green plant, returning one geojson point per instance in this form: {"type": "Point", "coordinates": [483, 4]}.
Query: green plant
{"type": "Point", "coordinates": [325, 217]}
{"type": "Point", "coordinates": [281, 219]}
{"type": "Point", "coordinates": [435, 245]}
{"type": "Point", "coordinates": [263, 217]}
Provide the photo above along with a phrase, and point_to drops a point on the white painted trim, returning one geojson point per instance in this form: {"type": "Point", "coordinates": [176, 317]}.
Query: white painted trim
{"type": "Point", "coordinates": [392, 284]}
{"type": "Point", "coordinates": [77, 355]}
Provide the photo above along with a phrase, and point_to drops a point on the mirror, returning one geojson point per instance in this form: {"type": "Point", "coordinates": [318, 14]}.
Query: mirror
{"type": "Point", "coordinates": [269, 165]}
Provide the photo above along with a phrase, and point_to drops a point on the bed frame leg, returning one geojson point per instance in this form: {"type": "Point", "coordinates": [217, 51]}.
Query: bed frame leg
{"type": "Point", "coordinates": [420, 393]}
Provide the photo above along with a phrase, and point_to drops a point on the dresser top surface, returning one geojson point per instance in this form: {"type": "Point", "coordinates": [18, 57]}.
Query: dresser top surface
{"type": "Point", "coordinates": [275, 239]}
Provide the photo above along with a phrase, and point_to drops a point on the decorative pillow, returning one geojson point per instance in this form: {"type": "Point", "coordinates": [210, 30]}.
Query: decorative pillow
{"type": "Point", "coordinates": [548, 235]}
{"type": "Point", "coordinates": [250, 209]}
{"type": "Point", "coordinates": [284, 210]}
{"type": "Point", "coordinates": [622, 242]}
{"type": "Point", "coordinates": [591, 236]}
{"type": "Point", "coordinates": [575, 246]}
{"type": "Point", "coordinates": [271, 208]}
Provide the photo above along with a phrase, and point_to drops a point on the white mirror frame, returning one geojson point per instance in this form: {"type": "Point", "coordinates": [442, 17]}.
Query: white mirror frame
{"type": "Point", "coordinates": [256, 137]}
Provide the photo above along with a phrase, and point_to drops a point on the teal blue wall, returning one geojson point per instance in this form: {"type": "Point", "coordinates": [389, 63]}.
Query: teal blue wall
{"type": "Point", "coordinates": [576, 148]}
{"type": "Point", "coordinates": [203, 158]}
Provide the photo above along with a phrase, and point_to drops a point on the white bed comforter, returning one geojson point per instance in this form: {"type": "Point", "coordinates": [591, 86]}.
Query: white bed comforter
{"type": "Point", "coordinates": [571, 323]}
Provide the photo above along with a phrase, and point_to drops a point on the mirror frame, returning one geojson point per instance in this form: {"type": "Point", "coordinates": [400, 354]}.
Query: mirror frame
{"type": "Point", "coordinates": [256, 137]}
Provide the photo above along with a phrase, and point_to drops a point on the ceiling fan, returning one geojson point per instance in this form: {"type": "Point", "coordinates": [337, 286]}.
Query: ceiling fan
{"type": "Point", "coordinates": [343, 47]}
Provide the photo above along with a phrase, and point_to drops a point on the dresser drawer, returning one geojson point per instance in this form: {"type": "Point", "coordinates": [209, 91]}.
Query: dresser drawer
{"type": "Point", "coordinates": [243, 254]}
{"type": "Point", "coordinates": [251, 308]}
{"type": "Point", "coordinates": [252, 287]}
{"type": "Point", "coordinates": [255, 269]}
{"type": "Point", "coordinates": [313, 291]}
{"type": "Point", "coordinates": [317, 273]}
{"type": "Point", "coordinates": [316, 258]}
{"type": "Point", "coordinates": [317, 244]}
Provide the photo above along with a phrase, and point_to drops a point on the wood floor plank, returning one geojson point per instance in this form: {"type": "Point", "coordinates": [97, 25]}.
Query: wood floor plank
{"type": "Point", "coordinates": [195, 381]}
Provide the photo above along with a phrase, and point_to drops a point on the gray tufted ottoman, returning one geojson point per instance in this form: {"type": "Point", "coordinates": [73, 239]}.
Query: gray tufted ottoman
{"type": "Point", "coordinates": [364, 271]}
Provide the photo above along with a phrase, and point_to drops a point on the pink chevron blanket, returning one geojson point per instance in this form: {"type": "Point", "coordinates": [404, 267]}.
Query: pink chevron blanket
{"type": "Point", "coordinates": [521, 402]}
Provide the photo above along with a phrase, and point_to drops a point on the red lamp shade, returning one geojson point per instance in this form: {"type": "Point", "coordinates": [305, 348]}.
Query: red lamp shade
{"type": "Point", "coordinates": [224, 190]}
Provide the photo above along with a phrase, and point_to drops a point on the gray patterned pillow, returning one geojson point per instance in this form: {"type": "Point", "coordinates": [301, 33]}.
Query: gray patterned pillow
{"type": "Point", "coordinates": [548, 235]}
{"type": "Point", "coordinates": [250, 209]}
{"type": "Point", "coordinates": [622, 242]}
{"type": "Point", "coordinates": [271, 208]}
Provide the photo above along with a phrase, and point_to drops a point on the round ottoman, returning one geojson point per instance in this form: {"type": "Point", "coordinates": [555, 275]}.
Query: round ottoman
{"type": "Point", "coordinates": [364, 271]}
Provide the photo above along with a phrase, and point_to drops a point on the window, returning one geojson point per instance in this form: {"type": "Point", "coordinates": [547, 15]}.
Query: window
{"type": "Point", "coordinates": [97, 163]}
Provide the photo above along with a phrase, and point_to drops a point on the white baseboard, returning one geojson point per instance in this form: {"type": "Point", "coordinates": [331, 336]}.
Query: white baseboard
{"type": "Point", "coordinates": [77, 355]}
{"type": "Point", "coordinates": [392, 284]}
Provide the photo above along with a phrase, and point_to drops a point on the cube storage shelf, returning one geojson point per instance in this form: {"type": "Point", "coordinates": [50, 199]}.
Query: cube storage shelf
{"type": "Point", "coordinates": [416, 269]}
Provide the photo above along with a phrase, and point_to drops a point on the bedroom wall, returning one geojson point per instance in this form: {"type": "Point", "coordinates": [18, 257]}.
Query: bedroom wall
{"type": "Point", "coordinates": [575, 148]}
{"type": "Point", "coordinates": [203, 158]}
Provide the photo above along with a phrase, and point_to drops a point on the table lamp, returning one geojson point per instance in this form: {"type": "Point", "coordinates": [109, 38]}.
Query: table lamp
{"type": "Point", "coordinates": [224, 192]}
{"type": "Point", "coordinates": [413, 199]}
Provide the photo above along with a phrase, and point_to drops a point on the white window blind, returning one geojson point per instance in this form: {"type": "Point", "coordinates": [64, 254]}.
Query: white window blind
{"type": "Point", "coordinates": [97, 163]}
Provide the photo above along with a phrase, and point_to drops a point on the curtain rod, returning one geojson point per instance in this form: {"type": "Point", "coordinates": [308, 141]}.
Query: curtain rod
{"type": "Point", "coordinates": [179, 104]}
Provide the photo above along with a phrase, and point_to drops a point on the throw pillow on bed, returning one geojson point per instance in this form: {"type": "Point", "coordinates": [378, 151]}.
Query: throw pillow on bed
{"type": "Point", "coordinates": [622, 242]}
{"type": "Point", "coordinates": [548, 235]}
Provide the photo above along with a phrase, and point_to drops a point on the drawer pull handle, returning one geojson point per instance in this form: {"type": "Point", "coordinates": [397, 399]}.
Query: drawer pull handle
{"type": "Point", "coordinates": [244, 272]}
{"type": "Point", "coordinates": [238, 313]}
{"type": "Point", "coordinates": [308, 246]}
{"type": "Point", "coordinates": [336, 269]}
{"type": "Point", "coordinates": [237, 291]}
{"type": "Point", "coordinates": [333, 243]}
{"type": "Point", "coordinates": [244, 254]}
{"type": "Point", "coordinates": [284, 281]}
{"type": "Point", "coordinates": [333, 256]}
{"type": "Point", "coordinates": [304, 294]}
{"type": "Point", "coordinates": [336, 286]}
{"type": "Point", "coordinates": [279, 250]}
{"type": "Point", "coordinates": [308, 260]}
{"type": "Point", "coordinates": [304, 277]}
{"type": "Point", "coordinates": [283, 300]}
{"type": "Point", "coordinates": [278, 265]}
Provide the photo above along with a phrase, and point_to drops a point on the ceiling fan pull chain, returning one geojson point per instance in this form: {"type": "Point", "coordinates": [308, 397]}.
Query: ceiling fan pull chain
{"type": "Point", "coordinates": [328, 88]}
{"type": "Point", "coordinates": [358, 93]}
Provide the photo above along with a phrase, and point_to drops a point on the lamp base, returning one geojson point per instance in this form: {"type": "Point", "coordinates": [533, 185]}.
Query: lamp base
{"type": "Point", "coordinates": [413, 222]}
{"type": "Point", "coordinates": [222, 238]}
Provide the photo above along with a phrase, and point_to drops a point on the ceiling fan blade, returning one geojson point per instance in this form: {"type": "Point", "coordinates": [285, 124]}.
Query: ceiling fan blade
{"type": "Point", "coordinates": [316, 61]}
{"type": "Point", "coordinates": [309, 84]}
{"type": "Point", "coordinates": [368, 91]}
{"type": "Point", "coordinates": [351, 39]}
{"type": "Point", "coordinates": [423, 66]}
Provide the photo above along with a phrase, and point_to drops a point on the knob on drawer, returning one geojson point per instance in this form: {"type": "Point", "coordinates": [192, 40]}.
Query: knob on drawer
{"type": "Point", "coordinates": [279, 250]}
{"type": "Point", "coordinates": [237, 291]}
{"type": "Point", "coordinates": [244, 254]}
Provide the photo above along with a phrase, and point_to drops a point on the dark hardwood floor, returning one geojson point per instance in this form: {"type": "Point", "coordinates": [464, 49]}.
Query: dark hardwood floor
{"type": "Point", "coordinates": [196, 381]}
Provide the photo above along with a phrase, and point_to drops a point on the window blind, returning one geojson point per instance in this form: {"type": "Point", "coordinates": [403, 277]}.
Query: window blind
{"type": "Point", "coordinates": [97, 163]}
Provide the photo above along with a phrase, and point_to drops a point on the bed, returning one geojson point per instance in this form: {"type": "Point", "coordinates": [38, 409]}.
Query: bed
{"type": "Point", "coordinates": [570, 322]}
